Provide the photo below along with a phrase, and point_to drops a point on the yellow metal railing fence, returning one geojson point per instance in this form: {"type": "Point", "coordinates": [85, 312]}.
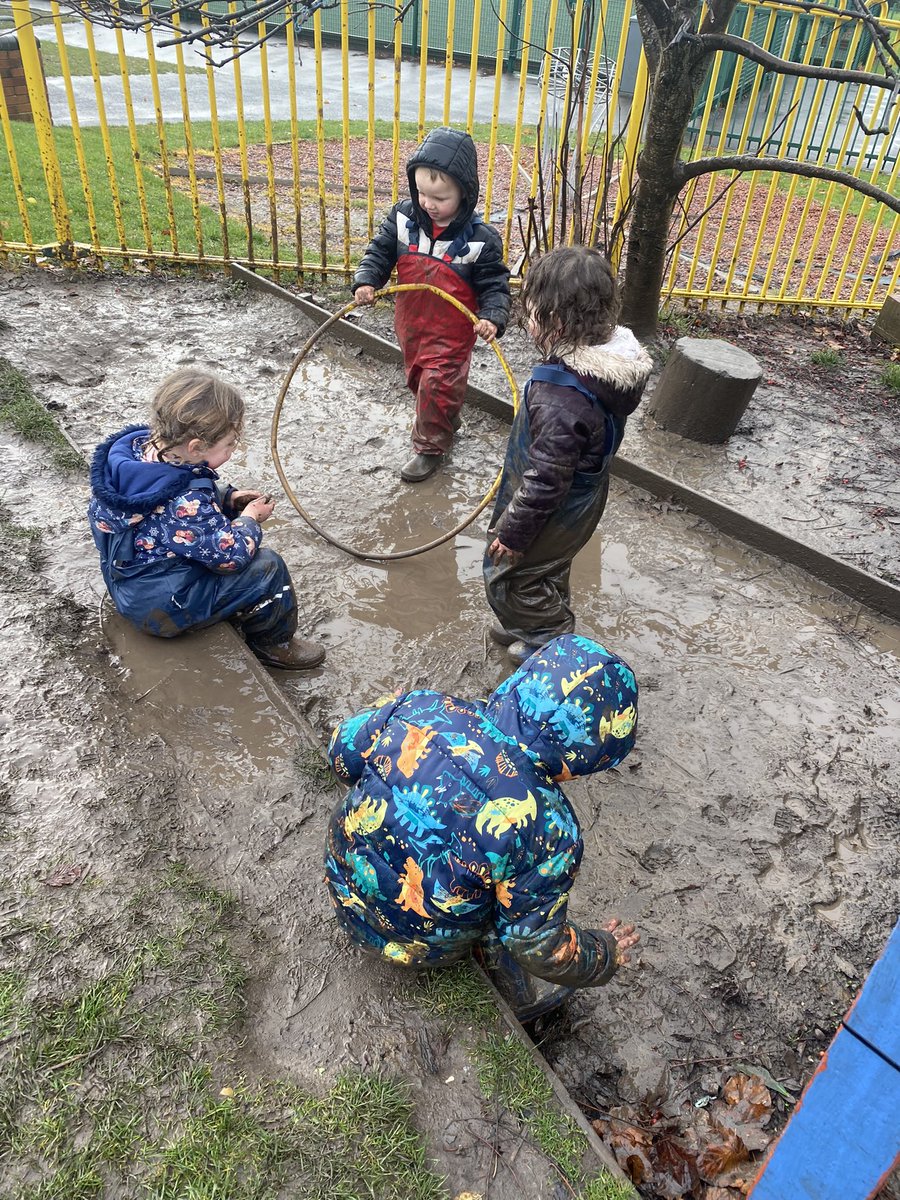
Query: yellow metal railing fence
{"type": "Point", "coordinates": [287, 156]}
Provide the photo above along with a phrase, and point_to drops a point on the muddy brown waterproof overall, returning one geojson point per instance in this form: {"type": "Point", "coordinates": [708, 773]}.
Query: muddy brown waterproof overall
{"type": "Point", "coordinates": [531, 598]}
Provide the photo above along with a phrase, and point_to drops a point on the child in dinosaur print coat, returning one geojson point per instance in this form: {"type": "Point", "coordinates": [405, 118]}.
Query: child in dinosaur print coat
{"type": "Point", "coordinates": [456, 833]}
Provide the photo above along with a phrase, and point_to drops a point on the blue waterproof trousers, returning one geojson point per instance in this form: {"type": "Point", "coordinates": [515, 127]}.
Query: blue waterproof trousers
{"type": "Point", "coordinates": [173, 598]}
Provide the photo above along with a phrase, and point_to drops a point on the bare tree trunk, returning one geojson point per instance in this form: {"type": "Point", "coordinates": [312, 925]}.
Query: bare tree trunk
{"type": "Point", "coordinates": [675, 89]}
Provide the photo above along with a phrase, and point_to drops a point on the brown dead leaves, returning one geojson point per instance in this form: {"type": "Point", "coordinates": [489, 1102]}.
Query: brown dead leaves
{"type": "Point", "coordinates": [709, 1159]}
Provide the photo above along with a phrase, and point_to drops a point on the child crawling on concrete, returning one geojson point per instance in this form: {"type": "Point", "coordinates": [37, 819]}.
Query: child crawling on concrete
{"type": "Point", "coordinates": [456, 836]}
{"type": "Point", "coordinates": [178, 551]}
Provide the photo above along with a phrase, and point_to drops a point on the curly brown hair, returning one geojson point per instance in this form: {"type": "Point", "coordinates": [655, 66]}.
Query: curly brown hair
{"type": "Point", "coordinates": [194, 404]}
{"type": "Point", "coordinates": [570, 299]}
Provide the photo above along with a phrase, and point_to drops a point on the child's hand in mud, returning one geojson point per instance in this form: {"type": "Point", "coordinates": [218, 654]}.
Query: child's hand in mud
{"type": "Point", "coordinates": [364, 294]}
{"type": "Point", "coordinates": [625, 937]}
{"type": "Point", "coordinates": [260, 509]}
{"type": "Point", "coordinates": [500, 554]}
{"type": "Point", "coordinates": [240, 499]}
{"type": "Point", "coordinates": [485, 329]}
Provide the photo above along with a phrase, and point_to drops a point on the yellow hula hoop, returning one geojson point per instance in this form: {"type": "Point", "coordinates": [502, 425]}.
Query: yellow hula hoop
{"type": "Point", "coordinates": [379, 555]}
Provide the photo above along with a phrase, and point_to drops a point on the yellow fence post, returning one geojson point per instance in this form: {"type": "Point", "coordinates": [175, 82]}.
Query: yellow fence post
{"type": "Point", "coordinates": [628, 170]}
{"type": "Point", "coordinates": [43, 127]}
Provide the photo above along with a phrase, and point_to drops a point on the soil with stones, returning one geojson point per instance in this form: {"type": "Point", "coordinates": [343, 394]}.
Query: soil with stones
{"type": "Point", "coordinates": [751, 835]}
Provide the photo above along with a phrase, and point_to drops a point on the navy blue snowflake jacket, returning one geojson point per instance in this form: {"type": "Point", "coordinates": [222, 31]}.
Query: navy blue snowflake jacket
{"type": "Point", "coordinates": [456, 825]}
{"type": "Point", "coordinates": [148, 516]}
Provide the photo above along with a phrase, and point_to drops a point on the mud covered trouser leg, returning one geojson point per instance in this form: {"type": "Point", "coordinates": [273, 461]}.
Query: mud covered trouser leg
{"type": "Point", "coordinates": [440, 389]}
{"type": "Point", "coordinates": [260, 601]}
{"type": "Point", "coordinates": [531, 599]}
{"type": "Point", "coordinates": [528, 996]}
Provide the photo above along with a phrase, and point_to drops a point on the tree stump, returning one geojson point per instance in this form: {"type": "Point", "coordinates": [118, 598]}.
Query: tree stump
{"type": "Point", "coordinates": [887, 326]}
{"type": "Point", "coordinates": [704, 389]}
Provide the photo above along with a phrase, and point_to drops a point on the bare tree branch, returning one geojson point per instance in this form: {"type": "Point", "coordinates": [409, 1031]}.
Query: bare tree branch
{"type": "Point", "coordinates": [738, 45]}
{"type": "Point", "coordinates": [825, 10]}
{"type": "Point", "coordinates": [742, 162]}
{"type": "Point", "coordinates": [880, 39]}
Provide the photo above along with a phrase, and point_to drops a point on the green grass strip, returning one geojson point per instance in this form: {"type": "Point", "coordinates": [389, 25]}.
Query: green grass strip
{"type": "Point", "coordinates": [507, 1072]}
{"type": "Point", "coordinates": [119, 1079]}
{"type": "Point", "coordinates": [22, 411]}
{"type": "Point", "coordinates": [41, 217]}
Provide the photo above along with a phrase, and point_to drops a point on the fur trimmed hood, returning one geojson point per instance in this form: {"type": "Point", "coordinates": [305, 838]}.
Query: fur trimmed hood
{"type": "Point", "coordinates": [621, 363]}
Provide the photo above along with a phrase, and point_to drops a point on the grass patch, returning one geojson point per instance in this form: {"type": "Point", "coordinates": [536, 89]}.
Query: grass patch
{"type": "Point", "coordinates": [121, 1081]}
{"type": "Point", "coordinates": [507, 1071]}
{"type": "Point", "coordinates": [826, 358]}
{"type": "Point", "coordinates": [183, 237]}
{"type": "Point", "coordinates": [457, 993]}
{"type": "Point", "coordinates": [890, 377]}
{"type": "Point", "coordinates": [107, 63]}
{"type": "Point", "coordinates": [312, 766]}
{"type": "Point", "coordinates": [22, 411]}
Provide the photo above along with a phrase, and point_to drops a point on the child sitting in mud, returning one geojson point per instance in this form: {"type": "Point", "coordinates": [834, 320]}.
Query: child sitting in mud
{"type": "Point", "coordinates": [177, 550]}
{"type": "Point", "coordinates": [568, 428]}
{"type": "Point", "coordinates": [435, 237]}
{"type": "Point", "coordinates": [456, 836]}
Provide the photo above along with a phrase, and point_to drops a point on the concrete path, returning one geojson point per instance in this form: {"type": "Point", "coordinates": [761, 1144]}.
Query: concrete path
{"type": "Point", "coordinates": [198, 103]}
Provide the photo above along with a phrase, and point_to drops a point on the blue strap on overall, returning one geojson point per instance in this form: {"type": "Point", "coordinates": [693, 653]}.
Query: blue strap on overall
{"type": "Point", "coordinates": [558, 375]}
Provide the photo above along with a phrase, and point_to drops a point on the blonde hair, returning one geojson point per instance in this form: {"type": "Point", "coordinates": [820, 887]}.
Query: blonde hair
{"type": "Point", "coordinates": [194, 404]}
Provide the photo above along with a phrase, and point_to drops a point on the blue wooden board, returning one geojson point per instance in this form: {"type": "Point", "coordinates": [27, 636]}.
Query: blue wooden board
{"type": "Point", "coordinates": [844, 1136]}
{"type": "Point", "coordinates": [876, 1014]}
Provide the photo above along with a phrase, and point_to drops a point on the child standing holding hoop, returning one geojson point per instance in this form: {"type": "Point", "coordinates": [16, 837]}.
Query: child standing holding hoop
{"type": "Point", "coordinates": [568, 428]}
{"type": "Point", "coordinates": [436, 237]}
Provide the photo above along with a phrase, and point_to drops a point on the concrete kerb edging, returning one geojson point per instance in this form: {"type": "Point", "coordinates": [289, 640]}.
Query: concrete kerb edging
{"type": "Point", "coordinates": [560, 1091]}
{"type": "Point", "coordinates": [876, 593]}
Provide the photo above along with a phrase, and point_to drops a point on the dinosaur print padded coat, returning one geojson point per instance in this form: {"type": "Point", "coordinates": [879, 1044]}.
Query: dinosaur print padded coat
{"type": "Point", "coordinates": [456, 830]}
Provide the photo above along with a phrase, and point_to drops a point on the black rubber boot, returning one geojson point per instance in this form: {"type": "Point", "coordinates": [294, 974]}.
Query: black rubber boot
{"type": "Point", "coordinates": [420, 467]}
{"type": "Point", "coordinates": [528, 996]}
{"type": "Point", "coordinates": [519, 651]}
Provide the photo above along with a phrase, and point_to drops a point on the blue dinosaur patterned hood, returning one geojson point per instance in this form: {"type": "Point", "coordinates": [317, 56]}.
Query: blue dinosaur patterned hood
{"type": "Point", "coordinates": [572, 707]}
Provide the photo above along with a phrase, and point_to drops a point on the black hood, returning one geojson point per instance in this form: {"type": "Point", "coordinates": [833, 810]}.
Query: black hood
{"type": "Point", "coordinates": [453, 152]}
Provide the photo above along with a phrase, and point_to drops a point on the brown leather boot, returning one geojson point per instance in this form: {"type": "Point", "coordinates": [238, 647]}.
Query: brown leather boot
{"type": "Point", "coordinates": [295, 655]}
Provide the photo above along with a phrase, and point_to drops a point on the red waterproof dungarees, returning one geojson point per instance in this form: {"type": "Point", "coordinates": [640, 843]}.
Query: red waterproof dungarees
{"type": "Point", "coordinates": [437, 343]}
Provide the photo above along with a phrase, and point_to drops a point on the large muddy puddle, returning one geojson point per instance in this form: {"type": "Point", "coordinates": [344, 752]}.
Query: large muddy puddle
{"type": "Point", "coordinates": [752, 834]}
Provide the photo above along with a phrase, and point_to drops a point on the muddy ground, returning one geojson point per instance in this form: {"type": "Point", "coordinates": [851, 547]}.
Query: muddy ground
{"type": "Point", "coordinates": [752, 834]}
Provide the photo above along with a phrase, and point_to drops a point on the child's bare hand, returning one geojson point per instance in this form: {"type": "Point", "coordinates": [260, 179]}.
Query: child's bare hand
{"type": "Point", "coordinates": [364, 294]}
{"type": "Point", "coordinates": [260, 509]}
{"type": "Point", "coordinates": [500, 554]}
{"type": "Point", "coordinates": [485, 329]}
{"type": "Point", "coordinates": [625, 937]}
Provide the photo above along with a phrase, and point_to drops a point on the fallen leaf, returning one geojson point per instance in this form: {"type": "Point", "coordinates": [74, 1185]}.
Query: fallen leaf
{"type": "Point", "coordinates": [720, 1156]}
{"type": "Point", "coordinates": [766, 1076]}
{"type": "Point", "coordinates": [676, 1168]}
{"type": "Point", "coordinates": [748, 1095]}
{"type": "Point", "coordinates": [66, 874]}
